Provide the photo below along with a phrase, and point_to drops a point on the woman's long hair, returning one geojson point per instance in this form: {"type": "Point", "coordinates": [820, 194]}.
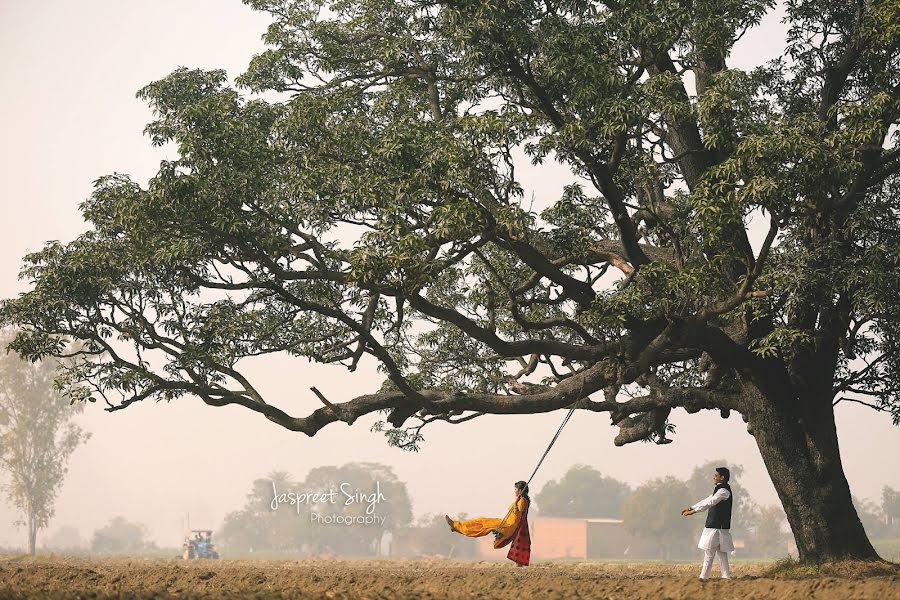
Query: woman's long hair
{"type": "Point", "coordinates": [521, 485]}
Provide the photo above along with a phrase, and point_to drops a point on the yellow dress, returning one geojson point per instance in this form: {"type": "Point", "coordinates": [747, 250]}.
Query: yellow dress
{"type": "Point", "coordinates": [484, 526]}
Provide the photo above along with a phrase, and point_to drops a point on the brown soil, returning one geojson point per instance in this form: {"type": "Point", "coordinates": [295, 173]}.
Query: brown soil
{"type": "Point", "coordinates": [144, 578]}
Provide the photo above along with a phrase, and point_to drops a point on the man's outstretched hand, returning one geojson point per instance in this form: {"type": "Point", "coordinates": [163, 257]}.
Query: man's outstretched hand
{"type": "Point", "coordinates": [686, 512]}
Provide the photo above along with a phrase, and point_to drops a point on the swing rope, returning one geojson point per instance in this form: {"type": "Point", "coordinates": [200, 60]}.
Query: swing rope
{"type": "Point", "coordinates": [552, 441]}
{"type": "Point", "coordinates": [556, 435]}
{"type": "Point", "coordinates": [546, 452]}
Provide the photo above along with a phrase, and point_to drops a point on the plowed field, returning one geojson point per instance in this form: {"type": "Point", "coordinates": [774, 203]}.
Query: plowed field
{"type": "Point", "coordinates": [70, 578]}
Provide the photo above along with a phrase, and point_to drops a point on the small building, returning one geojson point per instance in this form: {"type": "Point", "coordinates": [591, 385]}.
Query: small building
{"type": "Point", "coordinates": [560, 538]}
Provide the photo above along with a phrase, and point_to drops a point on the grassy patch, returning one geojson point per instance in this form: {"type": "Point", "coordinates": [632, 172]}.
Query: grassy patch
{"type": "Point", "coordinates": [790, 568]}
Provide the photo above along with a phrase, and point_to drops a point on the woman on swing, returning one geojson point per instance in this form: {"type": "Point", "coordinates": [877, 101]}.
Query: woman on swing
{"type": "Point", "coordinates": [513, 528]}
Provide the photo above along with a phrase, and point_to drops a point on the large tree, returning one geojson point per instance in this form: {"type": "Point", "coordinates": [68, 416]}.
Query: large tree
{"type": "Point", "coordinates": [37, 437]}
{"type": "Point", "coordinates": [370, 207]}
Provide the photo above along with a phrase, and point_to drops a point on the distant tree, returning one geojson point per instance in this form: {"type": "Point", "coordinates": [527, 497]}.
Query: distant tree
{"type": "Point", "coordinates": [66, 538]}
{"type": "Point", "coordinates": [583, 492]}
{"type": "Point", "coordinates": [890, 504]}
{"type": "Point", "coordinates": [37, 437]}
{"type": "Point", "coordinates": [121, 536]}
{"type": "Point", "coordinates": [241, 533]}
{"type": "Point", "coordinates": [286, 529]}
{"type": "Point", "coordinates": [870, 515]}
{"type": "Point", "coordinates": [257, 527]}
{"type": "Point", "coordinates": [653, 511]}
{"type": "Point", "coordinates": [396, 506]}
{"type": "Point", "coordinates": [768, 534]}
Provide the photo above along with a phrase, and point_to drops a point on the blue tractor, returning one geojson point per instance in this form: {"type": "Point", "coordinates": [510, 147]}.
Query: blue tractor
{"type": "Point", "coordinates": [199, 545]}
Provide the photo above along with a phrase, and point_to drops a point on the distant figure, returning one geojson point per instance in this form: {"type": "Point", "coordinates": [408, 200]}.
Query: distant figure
{"type": "Point", "coordinates": [716, 537]}
{"type": "Point", "coordinates": [512, 528]}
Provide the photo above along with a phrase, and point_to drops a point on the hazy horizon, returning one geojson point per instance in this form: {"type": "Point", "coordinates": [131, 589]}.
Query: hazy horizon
{"type": "Point", "coordinates": [70, 72]}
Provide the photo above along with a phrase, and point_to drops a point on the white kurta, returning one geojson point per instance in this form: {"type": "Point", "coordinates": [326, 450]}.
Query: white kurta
{"type": "Point", "coordinates": [714, 539]}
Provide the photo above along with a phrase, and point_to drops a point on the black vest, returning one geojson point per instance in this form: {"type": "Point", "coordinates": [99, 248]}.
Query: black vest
{"type": "Point", "coordinates": [719, 516]}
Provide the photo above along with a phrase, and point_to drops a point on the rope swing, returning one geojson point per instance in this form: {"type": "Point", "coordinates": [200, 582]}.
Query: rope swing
{"type": "Point", "coordinates": [552, 441]}
{"type": "Point", "coordinates": [556, 435]}
{"type": "Point", "coordinates": [543, 456]}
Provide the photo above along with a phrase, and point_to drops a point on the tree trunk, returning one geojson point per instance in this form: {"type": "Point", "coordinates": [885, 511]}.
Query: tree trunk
{"type": "Point", "coordinates": [32, 533]}
{"type": "Point", "coordinates": [800, 450]}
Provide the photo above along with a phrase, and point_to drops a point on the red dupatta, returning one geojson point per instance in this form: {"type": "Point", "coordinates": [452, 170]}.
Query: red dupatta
{"type": "Point", "coordinates": [520, 550]}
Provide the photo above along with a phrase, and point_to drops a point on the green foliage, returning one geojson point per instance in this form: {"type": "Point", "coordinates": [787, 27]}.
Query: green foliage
{"type": "Point", "coordinates": [382, 169]}
{"type": "Point", "coordinates": [583, 492]}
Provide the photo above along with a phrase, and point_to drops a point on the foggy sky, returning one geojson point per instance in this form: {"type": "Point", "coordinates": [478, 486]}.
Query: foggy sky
{"type": "Point", "coordinates": [69, 72]}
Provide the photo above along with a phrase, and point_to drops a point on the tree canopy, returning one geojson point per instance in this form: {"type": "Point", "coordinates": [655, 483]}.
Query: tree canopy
{"type": "Point", "coordinates": [376, 210]}
{"type": "Point", "coordinates": [583, 492]}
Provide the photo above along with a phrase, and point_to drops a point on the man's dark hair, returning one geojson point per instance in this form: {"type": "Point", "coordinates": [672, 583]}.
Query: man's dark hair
{"type": "Point", "coordinates": [724, 472]}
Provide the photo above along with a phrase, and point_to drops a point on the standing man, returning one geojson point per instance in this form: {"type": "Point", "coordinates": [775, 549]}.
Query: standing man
{"type": "Point", "coordinates": [716, 538]}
